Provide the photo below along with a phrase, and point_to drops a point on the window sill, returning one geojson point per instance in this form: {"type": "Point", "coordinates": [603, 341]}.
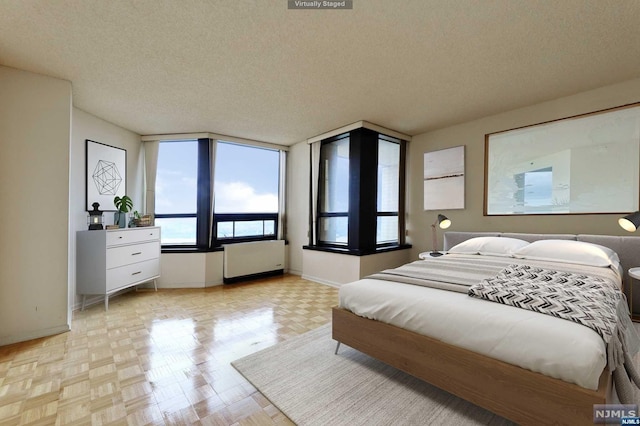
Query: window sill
{"type": "Point", "coordinates": [191, 249]}
{"type": "Point", "coordinates": [339, 250]}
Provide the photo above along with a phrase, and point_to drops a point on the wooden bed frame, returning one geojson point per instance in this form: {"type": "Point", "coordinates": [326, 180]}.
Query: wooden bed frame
{"type": "Point", "coordinates": [518, 394]}
{"type": "Point", "coordinates": [521, 395]}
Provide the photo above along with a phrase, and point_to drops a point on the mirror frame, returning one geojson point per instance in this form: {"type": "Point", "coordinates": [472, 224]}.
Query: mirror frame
{"type": "Point", "coordinates": [565, 144]}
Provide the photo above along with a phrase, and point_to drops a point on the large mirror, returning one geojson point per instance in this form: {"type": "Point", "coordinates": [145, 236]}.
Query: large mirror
{"type": "Point", "coordinates": [578, 165]}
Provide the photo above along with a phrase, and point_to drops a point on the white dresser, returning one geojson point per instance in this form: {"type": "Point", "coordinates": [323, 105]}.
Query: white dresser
{"type": "Point", "coordinates": [108, 261]}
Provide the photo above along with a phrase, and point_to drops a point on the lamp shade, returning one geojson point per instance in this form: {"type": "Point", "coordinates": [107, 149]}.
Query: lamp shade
{"type": "Point", "coordinates": [630, 222]}
{"type": "Point", "coordinates": [443, 221]}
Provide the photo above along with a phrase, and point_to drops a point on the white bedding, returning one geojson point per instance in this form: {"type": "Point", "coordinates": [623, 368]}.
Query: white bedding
{"type": "Point", "coordinates": [541, 343]}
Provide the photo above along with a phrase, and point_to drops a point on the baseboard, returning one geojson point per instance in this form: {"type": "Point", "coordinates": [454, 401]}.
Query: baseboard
{"type": "Point", "coordinates": [176, 285]}
{"type": "Point", "coordinates": [321, 281]}
{"type": "Point", "coordinates": [94, 300]}
{"type": "Point", "coordinates": [8, 340]}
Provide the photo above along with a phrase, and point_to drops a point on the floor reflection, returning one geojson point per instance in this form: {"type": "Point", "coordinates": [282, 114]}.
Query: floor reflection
{"type": "Point", "coordinates": [160, 357]}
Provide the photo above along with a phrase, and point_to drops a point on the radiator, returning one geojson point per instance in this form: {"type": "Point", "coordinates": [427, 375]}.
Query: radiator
{"type": "Point", "coordinates": [247, 260]}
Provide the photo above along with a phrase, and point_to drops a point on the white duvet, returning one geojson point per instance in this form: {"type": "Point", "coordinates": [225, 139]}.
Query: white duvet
{"type": "Point", "coordinates": [541, 343]}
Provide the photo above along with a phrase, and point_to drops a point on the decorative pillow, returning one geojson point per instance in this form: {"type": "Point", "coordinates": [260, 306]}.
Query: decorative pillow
{"type": "Point", "coordinates": [568, 251]}
{"type": "Point", "coordinates": [489, 246]}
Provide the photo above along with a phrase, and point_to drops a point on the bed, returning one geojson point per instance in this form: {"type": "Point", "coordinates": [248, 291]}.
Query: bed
{"type": "Point", "coordinates": [433, 343]}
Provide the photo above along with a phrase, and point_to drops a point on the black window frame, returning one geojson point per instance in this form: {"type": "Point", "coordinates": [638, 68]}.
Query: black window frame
{"type": "Point", "coordinates": [320, 214]}
{"type": "Point", "coordinates": [244, 217]}
{"type": "Point", "coordinates": [401, 190]}
{"type": "Point", "coordinates": [203, 202]}
{"type": "Point", "coordinates": [206, 219]}
{"type": "Point", "coordinates": [363, 180]}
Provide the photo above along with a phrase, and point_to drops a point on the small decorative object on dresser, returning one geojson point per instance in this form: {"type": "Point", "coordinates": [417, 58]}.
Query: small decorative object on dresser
{"type": "Point", "coordinates": [95, 218]}
{"type": "Point", "coordinates": [145, 220]}
{"type": "Point", "coordinates": [139, 220]}
{"type": "Point", "coordinates": [112, 260]}
{"type": "Point", "coordinates": [124, 206]}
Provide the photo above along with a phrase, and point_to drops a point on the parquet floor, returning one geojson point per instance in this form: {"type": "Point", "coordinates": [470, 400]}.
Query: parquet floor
{"type": "Point", "coordinates": [160, 358]}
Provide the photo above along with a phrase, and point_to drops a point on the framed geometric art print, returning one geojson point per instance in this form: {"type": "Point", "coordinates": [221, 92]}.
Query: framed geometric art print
{"type": "Point", "coordinates": [106, 174]}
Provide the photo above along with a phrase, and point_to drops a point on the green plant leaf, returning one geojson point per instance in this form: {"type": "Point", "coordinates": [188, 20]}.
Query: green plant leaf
{"type": "Point", "coordinates": [123, 204]}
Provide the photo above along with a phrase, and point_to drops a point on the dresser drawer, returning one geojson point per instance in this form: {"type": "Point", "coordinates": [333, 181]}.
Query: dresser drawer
{"type": "Point", "coordinates": [132, 235]}
{"type": "Point", "coordinates": [125, 276]}
{"type": "Point", "coordinates": [125, 255]}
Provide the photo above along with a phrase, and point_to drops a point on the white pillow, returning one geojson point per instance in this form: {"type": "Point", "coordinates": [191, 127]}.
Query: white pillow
{"type": "Point", "coordinates": [489, 246]}
{"type": "Point", "coordinates": [569, 251]}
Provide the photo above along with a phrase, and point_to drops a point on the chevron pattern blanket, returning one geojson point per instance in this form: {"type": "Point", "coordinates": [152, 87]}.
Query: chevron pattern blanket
{"type": "Point", "coordinates": [588, 300]}
{"type": "Point", "coordinates": [594, 302]}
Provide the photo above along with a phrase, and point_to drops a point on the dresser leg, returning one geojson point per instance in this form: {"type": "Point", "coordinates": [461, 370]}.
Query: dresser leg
{"type": "Point", "coordinates": [106, 302]}
{"type": "Point", "coordinates": [84, 297]}
{"type": "Point", "coordinates": [155, 284]}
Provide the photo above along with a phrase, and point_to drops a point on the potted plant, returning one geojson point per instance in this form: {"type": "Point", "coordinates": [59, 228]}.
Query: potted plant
{"type": "Point", "coordinates": [135, 220]}
{"type": "Point", "coordinates": [124, 205]}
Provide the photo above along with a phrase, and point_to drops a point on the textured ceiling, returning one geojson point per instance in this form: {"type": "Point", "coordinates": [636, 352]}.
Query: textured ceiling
{"type": "Point", "coordinates": [254, 69]}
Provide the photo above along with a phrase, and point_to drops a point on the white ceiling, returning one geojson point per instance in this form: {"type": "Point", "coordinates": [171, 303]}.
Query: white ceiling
{"type": "Point", "coordinates": [256, 70]}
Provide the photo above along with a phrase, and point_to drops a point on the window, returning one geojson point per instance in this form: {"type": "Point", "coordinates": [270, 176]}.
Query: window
{"type": "Point", "coordinates": [333, 212]}
{"type": "Point", "coordinates": [247, 181]}
{"type": "Point", "coordinates": [246, 184]}
{"type": "Point", "coordinates": [245, 226]}
{"type": "Point", "coordinates": [177, 192]}
{"type": "Point", "coordinates": [360, 192]}
{"type": "Point", "coordinates": [388, 191]}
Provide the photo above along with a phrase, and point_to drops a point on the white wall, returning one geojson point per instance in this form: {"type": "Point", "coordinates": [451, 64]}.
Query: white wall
{"type": "Point", "coordinates": [297, 205]}
{"type": "Point", "coordinates": [35, 132]}
{"type": "Point", "coordinates": [472, 135]}
{"type": "Point", "coordinates": [373, 263]}
{"type": "Point", "coordinates": [330, 268]}
{"type": "Point", "coordinates": [87, 126]}
{"type": "Point", "coordinates": [336, 269]}
{"type": "Point", "coordinates": [190, 270]}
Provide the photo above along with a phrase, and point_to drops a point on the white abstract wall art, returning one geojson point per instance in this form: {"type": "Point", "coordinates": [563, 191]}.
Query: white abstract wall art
{"type": "Point", "coordinates": [444, 179]}
{"type": "Point", "coordinates": [584, 164]}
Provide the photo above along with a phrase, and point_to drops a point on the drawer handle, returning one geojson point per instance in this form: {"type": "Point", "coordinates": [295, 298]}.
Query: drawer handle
{"type": "Point", "coordinates": [120, 237]}
{"type": "Point", "coordinates": [136, 273]}
{"type": "Point", "coordinates": [135, 254]}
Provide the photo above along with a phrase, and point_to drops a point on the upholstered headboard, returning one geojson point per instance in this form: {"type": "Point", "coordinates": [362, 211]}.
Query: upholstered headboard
{"type": "Point", "coordinates": [628, 248]}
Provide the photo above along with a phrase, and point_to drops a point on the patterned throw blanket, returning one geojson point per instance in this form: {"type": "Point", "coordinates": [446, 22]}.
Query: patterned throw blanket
{"type": "Point", "coordinates": [593, 300]}
{"type": "Point", "coordinates": [590, 301]}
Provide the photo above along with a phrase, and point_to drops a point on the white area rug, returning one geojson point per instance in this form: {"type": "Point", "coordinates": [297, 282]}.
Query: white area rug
{"type": "Point", "coordinates": [312, 386]}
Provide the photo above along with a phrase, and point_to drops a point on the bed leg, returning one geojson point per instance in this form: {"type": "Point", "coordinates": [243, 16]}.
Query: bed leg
{"type": "Point", "coordinates": [337, 347]}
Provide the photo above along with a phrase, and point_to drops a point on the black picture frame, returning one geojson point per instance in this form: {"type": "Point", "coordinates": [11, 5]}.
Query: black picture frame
{"type": "Point", "coordinates": [106, 174]}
